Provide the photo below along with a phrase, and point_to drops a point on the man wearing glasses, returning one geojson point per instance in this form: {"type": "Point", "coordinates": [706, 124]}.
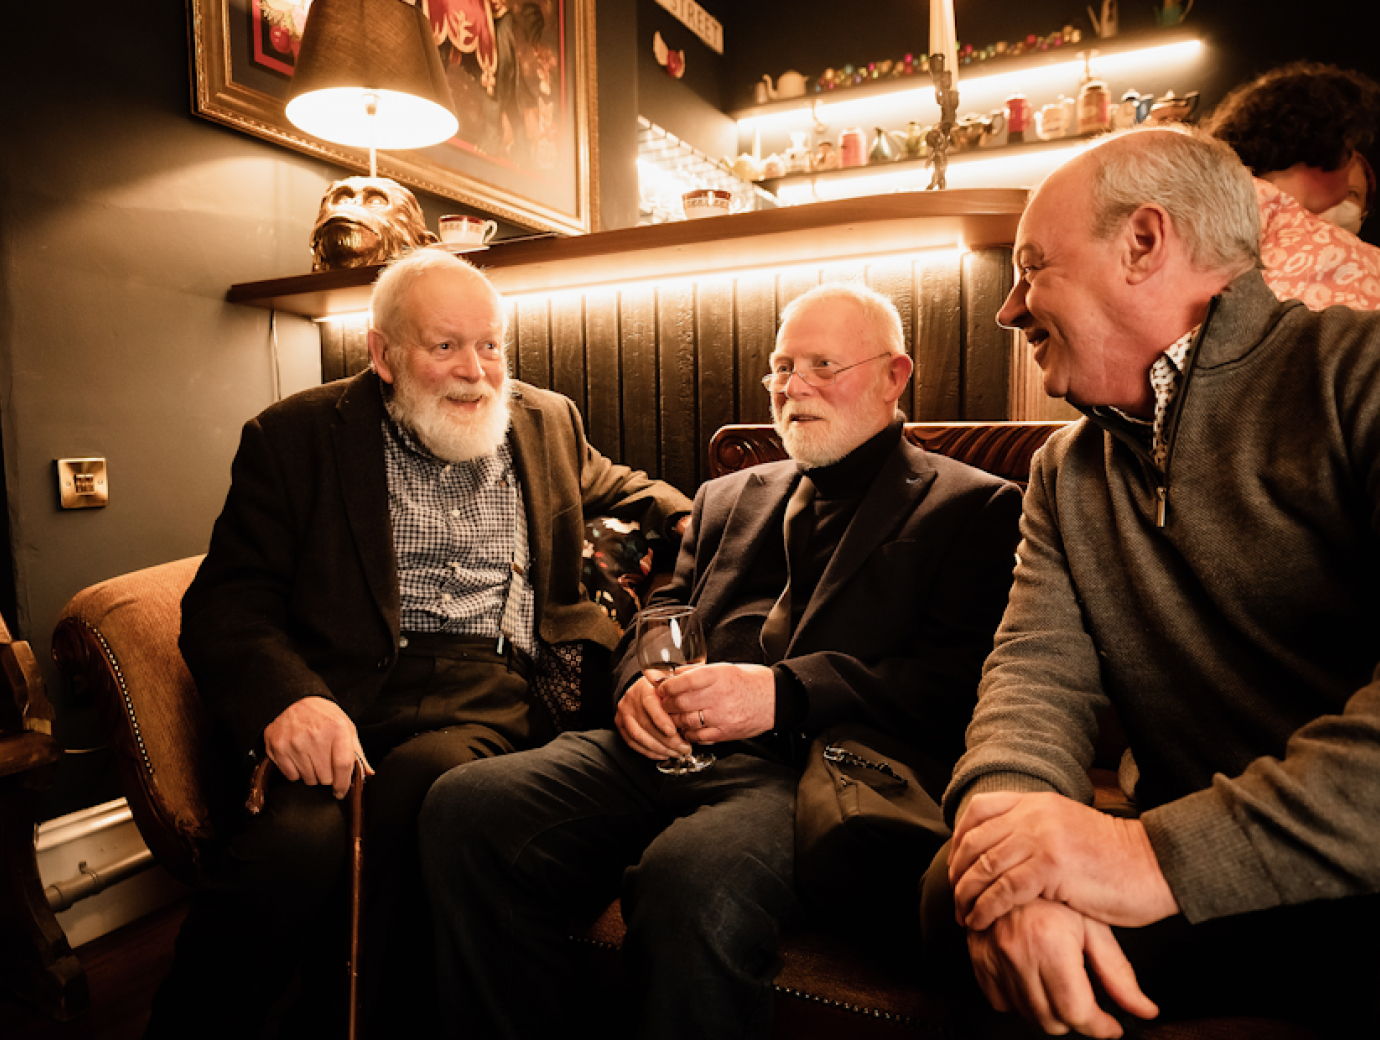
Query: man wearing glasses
{"type": "Point", "coordinates": [861, 581]}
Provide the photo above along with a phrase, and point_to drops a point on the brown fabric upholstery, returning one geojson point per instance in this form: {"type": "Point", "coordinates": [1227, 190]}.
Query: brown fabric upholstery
{"type": "Point", "coordinates": [118, 639]}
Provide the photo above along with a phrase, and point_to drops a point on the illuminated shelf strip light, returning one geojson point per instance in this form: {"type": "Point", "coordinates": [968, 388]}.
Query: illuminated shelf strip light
{"type": "Point", "coordinates": [1029, 80]}
{"type": "Point", "coordinates": [969, 172]}
{"type": "Point", "coordinates": [671, 281]}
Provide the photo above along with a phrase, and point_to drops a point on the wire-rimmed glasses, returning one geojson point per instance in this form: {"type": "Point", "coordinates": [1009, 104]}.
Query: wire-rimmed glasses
{"type": "Point", "coordinates": [817, 376]}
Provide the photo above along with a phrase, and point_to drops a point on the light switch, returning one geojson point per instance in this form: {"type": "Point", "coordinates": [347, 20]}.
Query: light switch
{"type": "Point", "coordinates": [82, 483]}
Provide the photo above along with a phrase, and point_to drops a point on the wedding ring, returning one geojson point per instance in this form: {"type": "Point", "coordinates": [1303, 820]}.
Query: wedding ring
{"type": "Point", "coordinates": [703, 724]}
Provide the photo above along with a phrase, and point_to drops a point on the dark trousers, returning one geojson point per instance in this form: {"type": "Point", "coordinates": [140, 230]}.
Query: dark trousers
{"type": "Point", "coordinates": [513, 847]}
{"type": "Point", "coordinates": [1313, 963]}
{"type": "Point", "coordinates": [271, 909]}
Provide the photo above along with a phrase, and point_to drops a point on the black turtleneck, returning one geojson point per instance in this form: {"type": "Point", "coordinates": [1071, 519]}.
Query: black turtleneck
{"type": "Point", "coordinates": [840, 488]}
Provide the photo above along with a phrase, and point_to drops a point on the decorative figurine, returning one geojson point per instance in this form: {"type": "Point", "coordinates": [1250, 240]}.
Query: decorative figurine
{"type": "Point", "coordinates": [941, 137]}
{"type": "Point", "coordinates": [366, 220]}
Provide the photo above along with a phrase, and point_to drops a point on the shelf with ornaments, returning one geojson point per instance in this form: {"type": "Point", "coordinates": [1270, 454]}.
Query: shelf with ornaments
{"type": "Point", "coordinates": [1154, 63]}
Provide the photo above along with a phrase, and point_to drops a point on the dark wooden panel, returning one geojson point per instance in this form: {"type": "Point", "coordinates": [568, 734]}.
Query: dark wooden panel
{"type": "Point", "coordinates": [987, 278]}
{"type": "Point", "coordinates": [895, 279]}
{"type": "Point", "coordinates": [790, 284]}
{"type": "Point", "coordinates": [344, 348]}
{"type": "Point", "coordinates": [568, 348]}
{"type": "Point", "coordinates": [756, 306]}
{"type": "Point", "coordinates": [681, 445]}
{"type": "Point", "coordinates": [534, 341]}
{"type": "Point", "coordinates": [641, 449]}
{"type": "Point", "coordinates": [718, 369]}
{"type": "Point", "coordinates": [604, 417]}
{"type": "Point", "coordinates": [937, 386]}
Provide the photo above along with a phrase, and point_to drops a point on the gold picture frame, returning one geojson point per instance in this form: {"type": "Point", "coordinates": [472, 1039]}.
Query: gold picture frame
{"type": "Point", "coordinates": [483, 166]}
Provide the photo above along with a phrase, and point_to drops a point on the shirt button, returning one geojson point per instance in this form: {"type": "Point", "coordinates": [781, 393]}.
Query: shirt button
{"type": "Point", "coordinates": [455, 512]}
{"type": "Point", "coordinates": [445, 597]}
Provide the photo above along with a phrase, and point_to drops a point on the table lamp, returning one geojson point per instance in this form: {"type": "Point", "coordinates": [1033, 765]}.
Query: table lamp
{"type": "Point", "coordinates": [369, 75]}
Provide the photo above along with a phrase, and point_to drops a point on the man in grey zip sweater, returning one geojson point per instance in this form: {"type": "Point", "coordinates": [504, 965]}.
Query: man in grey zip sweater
{"type": "Point", "coordinates": [1201, 553]}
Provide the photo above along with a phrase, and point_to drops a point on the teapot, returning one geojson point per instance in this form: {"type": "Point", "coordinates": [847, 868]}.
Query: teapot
{"type": "Point", "coordinates": [971, 129]}
{"type": "Point", "coordinates": [747, 166]}
{"type": "Point", "coordinates": [913, 147]}
{"type": "Point", "coordinates": [789, 84]}
{"type": "Point", "coordinates": [882, 150]}
{"type": "Point", "coordinates": [1131, 109]}
{"type": "Point", "coordinates": [1172, 108]}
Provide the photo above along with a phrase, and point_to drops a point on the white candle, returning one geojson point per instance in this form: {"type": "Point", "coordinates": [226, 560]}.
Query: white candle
{"type": "Point", "coordinates": [943, 39]}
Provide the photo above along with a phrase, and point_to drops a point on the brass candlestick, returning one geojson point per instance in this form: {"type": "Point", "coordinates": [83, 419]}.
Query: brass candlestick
{"type": "Point", "coordinates": [940, 137]}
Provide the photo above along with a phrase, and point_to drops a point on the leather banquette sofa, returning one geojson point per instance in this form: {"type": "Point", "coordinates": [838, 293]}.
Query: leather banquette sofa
{"type": "Point", "coordinates": [118, 639]}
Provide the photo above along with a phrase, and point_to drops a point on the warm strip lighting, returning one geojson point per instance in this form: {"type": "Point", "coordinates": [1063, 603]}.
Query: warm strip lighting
{"type": "Point", "coordinates": [1006, 170]}
{"type": "Point", "coordinates": [979, 91]}
{"type": "Point", "coordinates": [684, 281]}
{"type": "Point", "coordinates": [350, 316]}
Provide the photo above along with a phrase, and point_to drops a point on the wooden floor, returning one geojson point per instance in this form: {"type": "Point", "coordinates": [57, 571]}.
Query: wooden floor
{"type": "Point", "coordinates": [122, 969]}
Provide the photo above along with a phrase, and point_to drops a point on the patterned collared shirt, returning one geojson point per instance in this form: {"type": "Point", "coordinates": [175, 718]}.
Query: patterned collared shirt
{"type": "Point", "coordinates": [461, 540]}
{"type": "Point", "coordinates": [1166, 376]}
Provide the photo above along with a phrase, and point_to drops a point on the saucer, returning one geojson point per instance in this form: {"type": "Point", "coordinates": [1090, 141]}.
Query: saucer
{"type": "Point", "coordinates": [462, 247]}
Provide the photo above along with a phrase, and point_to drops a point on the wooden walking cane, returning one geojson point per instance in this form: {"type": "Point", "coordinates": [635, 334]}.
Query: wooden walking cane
{"type": "Point", "coordinates": [356, 810]}
{"type": "Point", "coordinates": [257, 786]}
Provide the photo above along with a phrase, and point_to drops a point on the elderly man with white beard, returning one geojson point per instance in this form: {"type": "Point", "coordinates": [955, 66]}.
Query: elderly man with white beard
{"type": "Point", "coordinates": [394, 581]}
{"type": "Point", "coordinates": [860, 582]}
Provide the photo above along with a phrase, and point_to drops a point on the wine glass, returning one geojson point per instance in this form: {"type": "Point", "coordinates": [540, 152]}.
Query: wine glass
{"type": "Point", "coordinates": [668, 640]}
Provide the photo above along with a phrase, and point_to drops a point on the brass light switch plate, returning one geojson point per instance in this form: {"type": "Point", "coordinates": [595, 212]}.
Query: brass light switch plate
{"type": "Point", "coordinates": [82, 483]}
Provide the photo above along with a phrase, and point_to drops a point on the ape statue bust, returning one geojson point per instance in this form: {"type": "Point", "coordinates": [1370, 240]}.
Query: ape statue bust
{"type": "Point", "coordinates": [366, 220]}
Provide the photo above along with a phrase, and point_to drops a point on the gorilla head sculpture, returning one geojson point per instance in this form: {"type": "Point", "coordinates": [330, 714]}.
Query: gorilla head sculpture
{"type": "Point", "coordinates": [366, 220]}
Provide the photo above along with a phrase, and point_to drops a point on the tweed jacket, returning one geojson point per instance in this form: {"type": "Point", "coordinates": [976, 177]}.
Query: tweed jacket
{"type": "Point", "coordinates": [903, 615]}
{"type": "Point", "coordinates": [298, 595]}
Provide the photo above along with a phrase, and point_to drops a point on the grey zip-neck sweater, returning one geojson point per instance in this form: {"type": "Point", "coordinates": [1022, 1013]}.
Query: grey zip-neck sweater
{"type": "Point", "coordinates": [1228, 606]}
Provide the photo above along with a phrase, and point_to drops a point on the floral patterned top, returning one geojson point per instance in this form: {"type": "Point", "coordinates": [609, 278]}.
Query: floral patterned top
{"type": "Point", "coordinates": [1308, 259]}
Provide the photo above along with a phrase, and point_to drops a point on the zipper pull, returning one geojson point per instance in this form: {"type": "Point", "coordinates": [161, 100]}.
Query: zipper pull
{"type": "Point", "coordinates": [1162, 512]}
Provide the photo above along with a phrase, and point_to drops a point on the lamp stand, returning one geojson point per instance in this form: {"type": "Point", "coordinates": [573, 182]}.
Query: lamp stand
{"type": "Point", "coordinates": [940, 137]}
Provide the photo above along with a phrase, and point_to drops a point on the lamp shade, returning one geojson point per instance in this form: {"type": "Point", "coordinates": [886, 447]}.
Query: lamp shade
{"type": "Point", "coordinates": [369, 75]}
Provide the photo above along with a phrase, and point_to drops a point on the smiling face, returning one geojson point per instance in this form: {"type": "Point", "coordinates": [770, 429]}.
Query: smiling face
{"type": "Point", "coordinates": [447, 365]}
{"type": "Point", "coordinates": [820, 425]}
{"type": "Point", "coordinates": [1070, 297]}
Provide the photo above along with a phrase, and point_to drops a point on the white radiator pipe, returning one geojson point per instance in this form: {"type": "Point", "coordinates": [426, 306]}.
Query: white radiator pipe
{"type": "Point", "coordinates": [62, 894]}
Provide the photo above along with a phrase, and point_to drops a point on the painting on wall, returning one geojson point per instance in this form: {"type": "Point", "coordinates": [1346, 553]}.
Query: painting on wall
{"type": "Point", "coordinates": [520, 73]}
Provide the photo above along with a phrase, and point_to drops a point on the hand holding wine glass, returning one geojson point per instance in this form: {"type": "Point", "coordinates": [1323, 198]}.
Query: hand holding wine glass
{"type": "Point", "coordinates": [671, 639]}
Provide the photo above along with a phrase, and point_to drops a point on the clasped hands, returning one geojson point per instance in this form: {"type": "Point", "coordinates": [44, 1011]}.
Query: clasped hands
{"type": "Point", "coordinates": [314, 741]}
{"type": "Point", "coordinates": [706, 704]}
{"type": "Point", "coordinates": [1039, 880]}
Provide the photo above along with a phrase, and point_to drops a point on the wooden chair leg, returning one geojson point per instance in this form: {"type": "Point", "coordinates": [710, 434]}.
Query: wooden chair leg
{"type": "Point", "coordinates": [36, 961]}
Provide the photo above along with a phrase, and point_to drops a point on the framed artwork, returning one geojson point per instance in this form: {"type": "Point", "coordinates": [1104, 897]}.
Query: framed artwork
{"type": "Point", "coordinates": [521, 73]}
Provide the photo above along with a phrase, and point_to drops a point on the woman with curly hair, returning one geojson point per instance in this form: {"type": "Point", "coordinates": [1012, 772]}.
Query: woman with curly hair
{"type": "Point", "coordinates": [1298, 128]}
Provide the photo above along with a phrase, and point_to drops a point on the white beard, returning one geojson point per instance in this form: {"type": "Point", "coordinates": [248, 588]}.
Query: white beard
{"type": "Point", "coordinates": [814, 444]}
{"type": "Point", "coordinates": [451, 437]}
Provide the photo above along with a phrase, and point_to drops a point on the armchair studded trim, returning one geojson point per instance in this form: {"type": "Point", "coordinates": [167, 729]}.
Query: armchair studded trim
{"type": "Point", "coordinates": [117, 641]}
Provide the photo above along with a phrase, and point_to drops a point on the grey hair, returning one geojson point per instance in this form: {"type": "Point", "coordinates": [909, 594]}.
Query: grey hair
{"type": "Point", "coordinates": [388, 305]}
{"type": "Point", "coordinates": [880, 316]}
{"type": "Point", "coordinates": [1199, 181]}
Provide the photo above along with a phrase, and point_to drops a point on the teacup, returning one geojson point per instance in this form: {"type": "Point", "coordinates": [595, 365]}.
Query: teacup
{"type": "Point", "coordinates": [464, 230]}
{"type": "Point", "coordinates": [706, 202]}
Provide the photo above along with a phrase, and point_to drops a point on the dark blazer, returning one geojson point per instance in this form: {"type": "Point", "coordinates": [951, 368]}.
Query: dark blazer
{"type": "Point", "coordinates": [903, 616]}
{"type": "Point", "coordinates": [298, 595]}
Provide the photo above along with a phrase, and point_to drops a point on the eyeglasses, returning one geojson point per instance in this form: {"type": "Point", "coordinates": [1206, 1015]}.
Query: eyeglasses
{"type": "Point", "coordinates": [817, 376]}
